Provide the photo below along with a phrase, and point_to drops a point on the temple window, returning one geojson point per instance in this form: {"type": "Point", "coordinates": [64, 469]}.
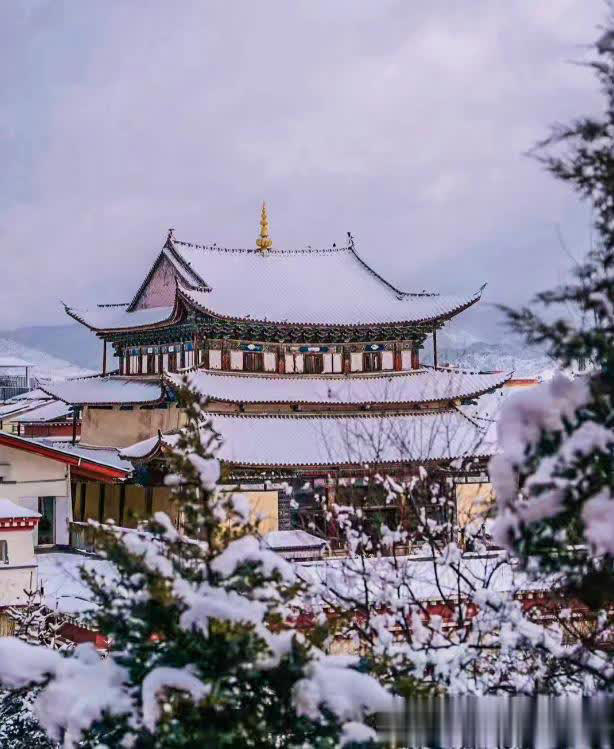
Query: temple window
{"type": "Point", "coordinates": [151, 363]}
{"type": "Point", "coordinates": [253, 361]}
{"type": "Point", "coordinates": [372, 361]}
{"type": "Point", "coordinates": [172, 361]}
{"type": "Point", "coordinates": [313, 364]}
{"type": "Point", "coordinates": [182, 359]}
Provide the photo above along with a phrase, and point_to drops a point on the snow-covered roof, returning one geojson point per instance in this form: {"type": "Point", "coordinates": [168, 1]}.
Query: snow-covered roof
{"type": "Point", "coordinates": [13, 361]}
{"type": "Point", "coordinates": [337, 440]}
{"type": "Point", "coordinates": [116, 317]}
{"type": "Point", "coordinates": [30, 395]}
{"type": "Point", "coordinates": [292, 539]}
{"type": "Point", "coordinates": [10, 408]}
{"type": "Point", "coordinates": [106, 456]}
{"type": "Point", "coordinates": [104, 391]}
{"type": "Point", "coordinates": [105, 461]}
{"type": "Point", "coordinates": [327, 287]}
{"type": "Point", "coordinates": [48, 411]}
{"type": "Point", "coordinates": [333, 286]}
{"type": "Point", "coordinates": [9, 509]}
{"type": "Point", "coordinates": [416, 387]}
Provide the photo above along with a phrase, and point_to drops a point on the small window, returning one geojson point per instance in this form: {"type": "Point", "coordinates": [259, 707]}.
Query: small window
{"type": "Point", "coordinates": [313, 364]}
{"type": "Point", "coordinates": [372, 361]}
{"type": "Point", "coordinates": [253, 361]}
{"type": "Point", "coordinates": [4, 552]}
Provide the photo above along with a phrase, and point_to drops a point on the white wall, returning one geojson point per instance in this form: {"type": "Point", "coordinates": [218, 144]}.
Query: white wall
{"type": "Point", "coordinates": [30, 476]}
{"type": "Point", "coordinates": [21, 571]}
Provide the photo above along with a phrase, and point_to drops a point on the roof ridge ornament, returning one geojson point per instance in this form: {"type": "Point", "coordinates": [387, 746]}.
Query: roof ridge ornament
{"type": "Point", "coordinates": [264, 241]}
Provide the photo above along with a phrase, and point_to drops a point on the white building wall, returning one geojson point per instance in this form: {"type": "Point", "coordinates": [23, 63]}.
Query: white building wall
{"type": "Point", "coordinates": [337, 363]}
{"type": "Point", "coordinates": [269, 361]}
{"type": "Point", "coordinates": [327, 360]}
{"type": "Point", "coordinates": [387, 360]}
{"type": "Point", "coordinates": [405, 360]}
{"type": "Point", "coordinates": [215, 359]}
{"type": "Point", "coordinates": [289, 363]}
{"type": "Point", "coordinates": [236, 360]}
{"type": "Point", "coordinates": [356, 362]}
{"type": "Point", "coordinates": [30, 476]}
{"type": "Point", "coordinates": [298, 363]}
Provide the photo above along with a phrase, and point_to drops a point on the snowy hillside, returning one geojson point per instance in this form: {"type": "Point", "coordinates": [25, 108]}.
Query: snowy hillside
{"type": "Point", "coordinates": [462, 348]}
{"type": "Point", "coordinates": [44, 366]}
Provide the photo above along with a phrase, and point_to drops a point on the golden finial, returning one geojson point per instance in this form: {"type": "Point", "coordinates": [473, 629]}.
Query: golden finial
{"type": "Point", "coordinates": [264, 242]}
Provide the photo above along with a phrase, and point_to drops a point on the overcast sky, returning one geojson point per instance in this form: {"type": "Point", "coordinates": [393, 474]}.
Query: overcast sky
{"type": "Point", "coordinates": [404, 122]}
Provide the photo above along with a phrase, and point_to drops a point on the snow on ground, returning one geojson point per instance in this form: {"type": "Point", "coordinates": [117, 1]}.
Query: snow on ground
{"type": "Point", "coordinates": [44, 366]}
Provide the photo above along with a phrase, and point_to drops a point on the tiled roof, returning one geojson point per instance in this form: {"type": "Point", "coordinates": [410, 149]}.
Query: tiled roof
{"type": "Point", "coordinates": [343, 440]}
{"type": "Point", "coordinates": [102, 455]}
{"type": "Point", "coordinates": [50, 411]}
{"type": "Point", "coordinates": [116, 317]}
{"type": "Point", "coordinates": [416, 387]}
{"type": "Point", "coordinates": [326, 287]}
{"type": "Point", "coordinates": [104, 391]}
{"type": "Point", "coordinates": [300, 287]}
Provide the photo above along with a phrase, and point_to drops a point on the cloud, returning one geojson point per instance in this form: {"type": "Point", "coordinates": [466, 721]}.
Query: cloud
{"type": "Point", "coordinates": [404, 122]}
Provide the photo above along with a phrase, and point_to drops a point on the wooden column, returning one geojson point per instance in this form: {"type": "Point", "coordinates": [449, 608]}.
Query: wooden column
{"type": "Point", "coordinates": [104, 357]}
{"type": "Point", "coordinates": [398, 358]}
{"type": "Point", "coordinates": [74, 423]}
{"type": "Point", "coordinates": [122, 504]}
{"type": "Point", "coordinates": [435, 348]}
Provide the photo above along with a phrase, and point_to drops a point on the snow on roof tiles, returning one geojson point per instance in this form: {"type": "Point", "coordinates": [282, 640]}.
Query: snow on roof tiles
{"type": "Point", "coordinates": [103, 456]}
{"type": "Point", "coordinates": [305, 286]}
{"type": "Point", "coordinates": [49, 411]}
{"type": "Point", "coordinates": [104, 390]}
{"type": "Point", "coordinates": [292, 539]}
{"type": "Point", "coordinates": [305, 440]}
{"type": "Point", "coordinates": [115, 317]}
{"type": "Point", "coordinates": [416, 387]}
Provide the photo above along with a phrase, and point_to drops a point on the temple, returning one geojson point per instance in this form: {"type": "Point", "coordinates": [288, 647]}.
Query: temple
{"type": "Point", "coordinates": [309, 360]}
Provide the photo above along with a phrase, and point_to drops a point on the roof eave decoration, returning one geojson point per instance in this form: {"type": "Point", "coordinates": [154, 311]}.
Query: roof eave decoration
{"type": "Point", "coordinates": [101, 331]}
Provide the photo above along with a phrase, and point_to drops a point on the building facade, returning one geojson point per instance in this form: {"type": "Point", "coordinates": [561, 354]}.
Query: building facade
{"type": "Point", "coordinates": [309, 360]}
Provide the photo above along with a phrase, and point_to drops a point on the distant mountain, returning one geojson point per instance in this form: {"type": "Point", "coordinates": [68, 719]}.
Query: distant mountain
{"type": "Point", "coordinates": [463, 349]}
{"type": "Point", "coordinates": [72, 343]}
{"type": "Point", "coordinates": [44, 365]}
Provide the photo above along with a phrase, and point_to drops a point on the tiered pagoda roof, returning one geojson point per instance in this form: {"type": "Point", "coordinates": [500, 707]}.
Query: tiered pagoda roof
{"type": "Point", "coordinates": [307, 441]}
{"type": "Point", "coordinates": [417, 386]}
{"type": "Point", "coordinates": [104, 391]}
{"type": "Point", "coordinates": [331, 287]}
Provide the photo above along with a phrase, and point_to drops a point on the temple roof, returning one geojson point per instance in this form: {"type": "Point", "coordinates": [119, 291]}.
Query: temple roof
{"type": "Point", "coordinates": [49, 411]}
{"type": "Point", "coordinates": [339, 440]}
{"type": "Point", "coordinates": [415, 387]}
{"type": "Point", "coordinates": [117, 317]}
{"type": "Point", "coordinates": [299, 287]}
{"type": "Point", "coordinates": [104, 391]}
{"type": "Point", "coordinates": [325, 287]}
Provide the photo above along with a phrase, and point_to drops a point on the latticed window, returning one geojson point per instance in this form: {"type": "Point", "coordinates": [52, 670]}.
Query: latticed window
{"type": "Point", "coordinates": [172, 361]}
{"type": "Point", "coordinates": [314, 364]}
{"type": "Point", "coordinates": [253, 361]}
{"type": "Point", "coordinates": [372, 361]}
{"type": "Point", "coordinates": [151, 363]}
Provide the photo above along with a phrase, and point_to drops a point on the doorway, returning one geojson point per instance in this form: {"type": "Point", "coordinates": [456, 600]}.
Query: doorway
{"type": "Point", "coordinates": [46, 526]}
